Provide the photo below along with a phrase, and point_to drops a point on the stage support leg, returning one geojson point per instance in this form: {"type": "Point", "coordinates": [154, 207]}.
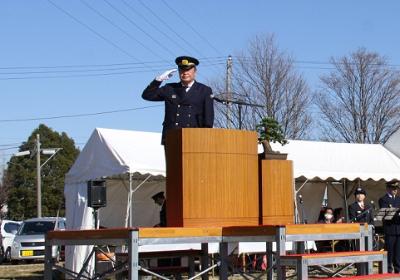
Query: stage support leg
{"type": "Point", "coordinates": [133, 252]}
{"type": "Point", "coordinates": [223, 255]}
{"type": "Point", "coordinates": [280, 251]}
{"type": "Point", "coordinates": [270, 264]}
{"type": "Point", "coordinates": [48, 262]}
{"type": "Point", "coordinates": [204, 260]}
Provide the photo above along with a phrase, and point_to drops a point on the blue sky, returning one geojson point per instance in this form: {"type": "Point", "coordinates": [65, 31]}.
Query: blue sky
{"type": "Point", "coordinates": [140, 39]}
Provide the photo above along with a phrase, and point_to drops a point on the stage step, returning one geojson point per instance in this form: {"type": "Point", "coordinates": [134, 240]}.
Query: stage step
{"type": "Point", "coordinates": [303, 261]}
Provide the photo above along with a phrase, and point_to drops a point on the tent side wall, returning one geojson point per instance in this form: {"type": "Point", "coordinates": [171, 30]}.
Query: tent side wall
{"type": "Point", "coordinates": [78, 216]}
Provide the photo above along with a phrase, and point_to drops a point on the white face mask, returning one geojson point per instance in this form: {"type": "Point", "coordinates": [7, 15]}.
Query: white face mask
{"type": "Point", "coordinates": [328, 216]}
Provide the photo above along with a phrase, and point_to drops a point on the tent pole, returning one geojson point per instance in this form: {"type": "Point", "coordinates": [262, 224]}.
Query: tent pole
{"type": "Point", "coordinates": [130, 201]}
{"type": "Point", "coordinates": [346, 206]}
{"type": "Point", "coordinates": [297, 219]}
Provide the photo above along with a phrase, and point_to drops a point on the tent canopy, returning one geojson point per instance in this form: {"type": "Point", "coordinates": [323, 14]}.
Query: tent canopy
{"type": "Point", "coordinates": [111, 152]}
{"type": "Point", "coordinates": [328, 160]}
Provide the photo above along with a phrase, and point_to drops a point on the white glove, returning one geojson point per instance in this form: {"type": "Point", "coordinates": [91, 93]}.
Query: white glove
{"type": "Point", "coordinates": [166, 75]}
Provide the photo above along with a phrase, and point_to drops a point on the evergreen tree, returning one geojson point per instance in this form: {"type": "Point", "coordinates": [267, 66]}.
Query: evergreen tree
{"type": "Point", "coordinates": [20, 178]}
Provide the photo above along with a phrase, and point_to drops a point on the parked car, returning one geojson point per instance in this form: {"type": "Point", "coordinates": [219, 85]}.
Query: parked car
{"type": "Point", "coordinates": [29, 241]}
{"type": "Point", "coordinates": [8, 230]}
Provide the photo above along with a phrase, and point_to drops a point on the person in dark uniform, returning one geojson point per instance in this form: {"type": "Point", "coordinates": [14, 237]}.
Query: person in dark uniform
{"type": "Point", "coordinates": [187, 103]}
{"type": "Point", "coordinates": [360, 211]}
{"type": "Point", "coordinates": [391, 228]}
{"type": "Point", "coordinates": [159, 199]}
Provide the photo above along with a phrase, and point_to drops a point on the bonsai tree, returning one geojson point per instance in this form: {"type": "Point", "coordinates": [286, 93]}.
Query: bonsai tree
{"type": "Point", "coordinates": [268, 131]}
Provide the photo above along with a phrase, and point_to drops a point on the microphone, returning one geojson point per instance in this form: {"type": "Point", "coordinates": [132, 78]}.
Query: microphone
{"type": "Point", "coordinates": [223, 101]}
{"type": "Point", "coordinates": [301, 199]}
{"type": "Point", "coordinates": [373, 205]}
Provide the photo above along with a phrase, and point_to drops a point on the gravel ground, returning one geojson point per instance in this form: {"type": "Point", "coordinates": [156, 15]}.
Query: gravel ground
{"type": "Point", "coordinates": [22, 271]}
{"type": "Point", "coordinates": [35, 272]}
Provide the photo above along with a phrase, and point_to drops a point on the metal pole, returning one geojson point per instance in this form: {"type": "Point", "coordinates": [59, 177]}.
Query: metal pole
{"type": "Point", "coordinates": [131, 201]}
{"type": "Point", "coordinates": [229, 90]}
{"type": "Point", "coordinates": [240, 116]}
{"type": "Point", "coordinates": [38, 178]}
{"type": "Point", "coordinates": [346, 205]}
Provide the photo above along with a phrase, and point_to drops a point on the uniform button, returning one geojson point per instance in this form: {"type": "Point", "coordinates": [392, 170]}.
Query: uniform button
{"type": "Point", "coordinates": [176, 124]}
{"type": "Point", "coordinates": [177, 115]}
{"type": "Point", "coordinates": [189, 115]}
{"type": "Point", "coordinates": [179, 106]}
{"type": "Point", "coordinates": [187, 125]}
{"type": "Point", "coordinates": [190, 106]}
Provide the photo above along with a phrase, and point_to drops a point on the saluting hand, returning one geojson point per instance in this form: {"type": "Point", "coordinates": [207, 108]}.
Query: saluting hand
{"type": "Point", "coordinates": [166, 75]}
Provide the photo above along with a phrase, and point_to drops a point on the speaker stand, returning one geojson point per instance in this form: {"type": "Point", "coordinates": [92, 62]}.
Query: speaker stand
{"type": "Point", "coordinates": [96, 218]}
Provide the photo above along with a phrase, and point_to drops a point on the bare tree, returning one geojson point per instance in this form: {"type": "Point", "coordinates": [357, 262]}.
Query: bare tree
{"type": "Point", "coordinates": [265, 76]}
{"type": "Point", "coordinates": [360, 99]}
{"type": "Point", "coordinates": [3, 194]}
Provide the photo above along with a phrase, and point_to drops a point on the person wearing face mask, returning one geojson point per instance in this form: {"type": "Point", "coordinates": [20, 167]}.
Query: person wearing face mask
{"type": "Point", "coordinates": [360, 211]}
{"type": "Point", "coordinates": [391, 228]}
{"type": "Point", "coordinates": [326, 217]}
{"type": "Point", "coordinates": [187, 103]}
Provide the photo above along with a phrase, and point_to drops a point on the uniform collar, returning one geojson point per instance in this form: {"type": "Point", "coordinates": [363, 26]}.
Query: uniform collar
{"type": "Point", "coordinates": [390, 195]}
{"type": "Point", "coordinates": [189, 85]}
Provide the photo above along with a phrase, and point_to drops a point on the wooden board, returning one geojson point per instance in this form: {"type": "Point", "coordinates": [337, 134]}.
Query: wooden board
{"type": "Point", "coordinates": [304, 229]}
{"type": "Point", "coordinates": [277, 199]}
{"type": "Point", "coordinates": [212, 177]}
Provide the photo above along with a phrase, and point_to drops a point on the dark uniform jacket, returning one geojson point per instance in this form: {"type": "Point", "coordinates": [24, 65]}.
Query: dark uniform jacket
{"type": "Point", "coordinates": [194, 108]}
{"type": "Point", "coordinates": [392, 226]}
{"type": "Point", "coordinates": [163, 215]}
{"type": "Point", "coordinates": [359, 215]}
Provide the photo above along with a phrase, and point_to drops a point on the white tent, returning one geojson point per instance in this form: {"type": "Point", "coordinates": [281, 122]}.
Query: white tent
{"type": "Point", "coordinates": [127, 158]}
{"type": "Point", "coordinates": [338, 168]}
{"type": "Point", "coordinates": [393, 143]}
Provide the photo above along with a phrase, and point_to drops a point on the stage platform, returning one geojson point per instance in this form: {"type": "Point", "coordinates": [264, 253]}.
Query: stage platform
{"type": "Point", "coordinates": [133, 238]}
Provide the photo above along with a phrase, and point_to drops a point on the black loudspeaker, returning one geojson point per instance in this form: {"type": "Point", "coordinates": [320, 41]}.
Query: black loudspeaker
{"type": "Point", "coordinates": [97, 194]}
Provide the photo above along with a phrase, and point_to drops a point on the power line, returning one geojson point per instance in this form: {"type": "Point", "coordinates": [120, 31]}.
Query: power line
{"type": "Point", "coordinates": [170, 27]}
{"type": "Point", "coordinates": [153, 25]}
{"type": "Point", "coordinates": [74, 71]}
{"type": "Point", "coordinates": [92, 30]}
{"type": "Point", "coordinates": [10, 148]}
{"type": "Point", "coordinates": [90, 75]}
{"type": "Point", "coordinates": [79, 115]}
{"type": "Point", "coordinates": [191, 27]}
{"type": "Point", "coordinates": [216, 58]}
{"type": "Point", "coordinates": [120, 29]}
{"type": "Point", "coordinates": [11, 144]}
{"type": "Point", "coordinates": [138, 27]}
{"type": "Point", "coordinates": [315, 62]}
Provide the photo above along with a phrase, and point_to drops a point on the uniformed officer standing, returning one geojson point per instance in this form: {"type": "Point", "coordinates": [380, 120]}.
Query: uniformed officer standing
{"type": "Point", "coordinates": [159, 199]}
{"type": "Point", "coordinates": [359, 211]}
{"type": "Point", "coordinates": [188, 103]}
{"type": "Point", "coordinates": [391, 228]}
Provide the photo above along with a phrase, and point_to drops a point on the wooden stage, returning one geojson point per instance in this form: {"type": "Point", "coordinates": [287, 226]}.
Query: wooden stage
{"type": "Point", "coordinates": [135, 237]}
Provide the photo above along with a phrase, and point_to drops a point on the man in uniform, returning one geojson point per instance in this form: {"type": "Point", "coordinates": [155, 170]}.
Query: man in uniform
{"type": "Point", "coordinates": [391, 228]}
{"type": "Point", "coordinates": [359, 211]}
{"type": "Point", "coordinates": [159, 199]}
{"type": "Point", "coordinates": [187, 103]}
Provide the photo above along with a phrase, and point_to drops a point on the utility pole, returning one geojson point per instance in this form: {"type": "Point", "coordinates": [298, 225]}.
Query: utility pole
{"type": "Point", "coordinates": [38, 178]}
{"type": "Point", "coordinates": [52, 152]}
{"type": "Point", "coordinates": [228, 89]}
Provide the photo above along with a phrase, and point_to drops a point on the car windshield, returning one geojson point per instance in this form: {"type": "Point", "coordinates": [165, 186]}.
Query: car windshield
{"type": "Point", "coordinates": [11, 227]}
{"type": "Point", "coordinates": [38, 227]}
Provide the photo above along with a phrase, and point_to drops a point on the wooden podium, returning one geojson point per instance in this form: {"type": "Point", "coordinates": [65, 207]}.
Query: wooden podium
{"type": "Point", "coordinates": [277, 202]}
{"type": "Point", "coordinates": [212, 177]}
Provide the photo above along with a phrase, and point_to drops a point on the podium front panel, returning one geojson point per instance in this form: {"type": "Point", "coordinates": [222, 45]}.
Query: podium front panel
{"type": "Point", "coordinates": [212, 177]}
{"type": "Point", "coordinates": [277, 198]}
